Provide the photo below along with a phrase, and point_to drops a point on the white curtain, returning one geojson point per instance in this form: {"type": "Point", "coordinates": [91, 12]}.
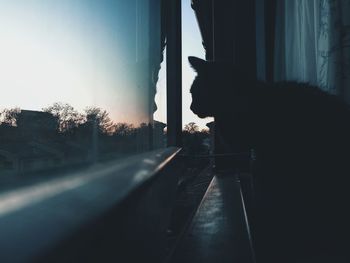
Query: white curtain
{"type": "Point", "coordinates": [313, 43]}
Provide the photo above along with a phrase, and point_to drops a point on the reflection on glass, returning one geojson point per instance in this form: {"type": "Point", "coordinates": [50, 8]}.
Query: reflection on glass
{"type": "Point", "coordinates": [78, 81]}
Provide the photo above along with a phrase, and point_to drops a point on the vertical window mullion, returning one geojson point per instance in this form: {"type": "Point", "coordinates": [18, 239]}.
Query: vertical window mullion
{"type": "Point", "coordinates": [174, 73]}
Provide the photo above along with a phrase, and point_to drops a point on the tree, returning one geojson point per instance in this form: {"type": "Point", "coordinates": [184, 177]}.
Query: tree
{"type": "Point", "coordinates": [191, 128]}
{"type": "Point", "coordinates": [68, 118]}
{"type": "Point", "coordinates": [95, 116]}
{"type": "Point", "coordinates": [123, 129]}
{"type": "Point", "coordinates": [194, 139]}
{"type": "Point", "coordinates": [9, 116]}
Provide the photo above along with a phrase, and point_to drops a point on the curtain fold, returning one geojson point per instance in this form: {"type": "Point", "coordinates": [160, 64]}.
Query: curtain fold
{"type": "Point", "coordinates": [313, 44]}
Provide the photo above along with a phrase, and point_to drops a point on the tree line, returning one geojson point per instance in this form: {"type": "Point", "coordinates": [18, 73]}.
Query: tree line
{"type": "Point", "coordinates": [74, 124]}
{"type": "Point", "coordinates": [69, 119]}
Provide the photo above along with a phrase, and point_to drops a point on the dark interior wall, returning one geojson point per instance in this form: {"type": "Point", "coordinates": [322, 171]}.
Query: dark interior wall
{"type": "Point", "coordinates": [269, 23]}
{"type": "Point", "coordinates": [228, 30]}
{"type": "Point", "coordinates": [234, 40]}
{"type": "Point", "coordinates": [265, 16]}
{"type": "Point", "coordinates": [204, 13]}
{"type": "Point", "coordinates": [234, 33]}
{"type": "Point", "coordinates": [241, 32]}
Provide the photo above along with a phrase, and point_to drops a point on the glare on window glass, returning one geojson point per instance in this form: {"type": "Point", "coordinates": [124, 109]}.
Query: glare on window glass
{"type": "Point", "coordinates": [78, 81]}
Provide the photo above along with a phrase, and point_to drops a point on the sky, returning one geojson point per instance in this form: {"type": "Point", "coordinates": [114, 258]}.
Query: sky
{"type": "Point", "coordinates": [191, 46]}
{"type": "Point", "coordinates": [81, 52]}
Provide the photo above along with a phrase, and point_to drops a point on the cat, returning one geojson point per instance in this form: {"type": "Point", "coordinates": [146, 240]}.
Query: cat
{"type": "Point", "coordinates": [301, 139]}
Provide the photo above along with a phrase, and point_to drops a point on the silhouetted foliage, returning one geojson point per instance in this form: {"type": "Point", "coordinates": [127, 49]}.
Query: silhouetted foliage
{"type": "Point", "coordinates": [123, 129]}
{"type": "Point", "coordinates": [9, 116]}
{"type": "Point", "coordinates": [68, 118]}
{"type": "Point", "coordinates": [60, 135]}
{"type": "Point", "coordinates": [194, 140]}
{"type": "Point", "coordinates": [95, 116]}
{"type": "Point", "coordinates": [191, 127]}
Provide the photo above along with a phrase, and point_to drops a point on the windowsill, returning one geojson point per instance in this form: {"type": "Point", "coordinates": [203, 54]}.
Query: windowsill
{"type": "Point", "coordinates": [36, 218]}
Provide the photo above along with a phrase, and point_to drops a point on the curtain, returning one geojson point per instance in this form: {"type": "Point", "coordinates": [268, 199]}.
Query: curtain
{"type": "Point", "coordinates": [313, 44]}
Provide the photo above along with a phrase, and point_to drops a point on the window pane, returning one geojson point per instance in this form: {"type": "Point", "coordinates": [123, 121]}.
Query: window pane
{"type": "Point", "coordinates": [196, 137]}
{"type": "Point", "coordinates": [78, 81]}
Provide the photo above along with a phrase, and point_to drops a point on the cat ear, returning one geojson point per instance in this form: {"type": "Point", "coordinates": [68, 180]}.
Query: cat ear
{"type": "Point", "coordinates": [197, 64]}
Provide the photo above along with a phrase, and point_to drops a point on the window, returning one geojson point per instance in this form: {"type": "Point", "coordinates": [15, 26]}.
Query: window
{"type": "Point", "coordinates": [83, 82]}
{"type": "Point", "coordinates": [79, 82]}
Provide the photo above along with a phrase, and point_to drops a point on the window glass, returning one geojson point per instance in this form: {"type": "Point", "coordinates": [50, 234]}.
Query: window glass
{"type": "Point", "coordinates": [78, 81]}
{"type": "Point", "coordinates": [196, 136]}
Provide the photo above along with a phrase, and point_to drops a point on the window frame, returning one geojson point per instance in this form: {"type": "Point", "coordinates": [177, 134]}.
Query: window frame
{"type": "Point", "coordinates": [36, 219]}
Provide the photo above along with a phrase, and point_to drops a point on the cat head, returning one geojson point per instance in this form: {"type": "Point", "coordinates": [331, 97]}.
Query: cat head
{"type": "Point", "coordinates": [211, 89]}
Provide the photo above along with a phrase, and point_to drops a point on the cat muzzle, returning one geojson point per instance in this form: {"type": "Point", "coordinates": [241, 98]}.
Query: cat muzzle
{"type": "Point", "coordinates": [201, 113]}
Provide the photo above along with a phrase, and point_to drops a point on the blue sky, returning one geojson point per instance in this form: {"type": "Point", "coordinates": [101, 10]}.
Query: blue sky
{"type": "Point", "coordinates": [70, 51]}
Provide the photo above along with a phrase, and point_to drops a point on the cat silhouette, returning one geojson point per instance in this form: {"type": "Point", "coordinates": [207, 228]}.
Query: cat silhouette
{"type": "Point", "coordinates": [301, 138]}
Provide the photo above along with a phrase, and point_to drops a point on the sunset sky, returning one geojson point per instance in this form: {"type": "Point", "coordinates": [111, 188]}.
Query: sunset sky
{"type": "Point", "coordinates": [70, 51]}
